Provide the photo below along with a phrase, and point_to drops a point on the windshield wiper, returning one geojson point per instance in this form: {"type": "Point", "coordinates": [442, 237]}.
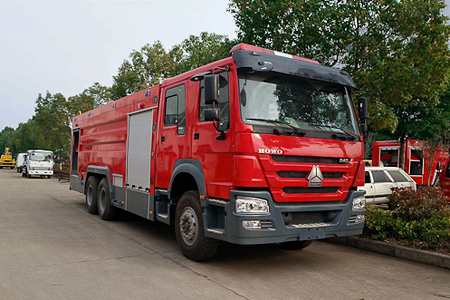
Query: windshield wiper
{"type": "Point", "coordinates": [295, 129]}
{"type": "Point", "coordinates": [348, 134]}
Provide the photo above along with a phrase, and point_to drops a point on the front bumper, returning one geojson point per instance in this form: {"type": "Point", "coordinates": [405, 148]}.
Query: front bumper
{"type": "Point", "coordinates": [7, 165]}
{"type": "Point", "coordinates": [40, 172]}
{"type": "Point", "coordinates": [282, 224]}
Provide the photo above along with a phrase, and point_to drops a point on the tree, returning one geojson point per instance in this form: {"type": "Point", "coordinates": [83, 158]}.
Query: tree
{"type": "Point", "coordinates": [92, 97]}
{"type": "Point", "coordinates": [6, 139]}
{"type": "Point", "coordinates": [53, 119]}
{"type": "Point", "coordinates": [153, 63]}
{"type": "Point", "coordinates": [396, 51]}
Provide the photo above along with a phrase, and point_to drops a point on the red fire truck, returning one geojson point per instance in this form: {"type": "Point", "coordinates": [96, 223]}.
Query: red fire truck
{"type": "Point", "coordinates": [261, 147]}
{"type": "Point", "coordinates": [417, 160]}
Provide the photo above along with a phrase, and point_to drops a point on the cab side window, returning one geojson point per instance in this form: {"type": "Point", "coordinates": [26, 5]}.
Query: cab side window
{"type": "Point", "coordinates": [175, 113]}
{"type": "Point", "coordinates": [224, 123]}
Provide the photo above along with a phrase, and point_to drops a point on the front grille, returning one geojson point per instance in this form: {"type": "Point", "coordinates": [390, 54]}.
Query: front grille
{"type": "Point", "coordinates": [287, 174]}
{"type": "Point", "coordinates": [310, 217]}
{"type": "Point", "coordinates": [310, 190]}
{"type": "Point", "coordinates": [40, 168]}
{"type": "Point", "coordinates": [307, 159]}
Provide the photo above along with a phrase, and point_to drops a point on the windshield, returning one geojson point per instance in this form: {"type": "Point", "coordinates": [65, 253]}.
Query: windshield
{"type": "Point", "coordinates": [307, 104]}
{"type": "Point", "coordinates": [41, 156]}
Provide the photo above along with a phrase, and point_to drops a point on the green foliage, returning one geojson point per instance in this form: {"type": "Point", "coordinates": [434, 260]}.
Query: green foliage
{"type": "Point", "coordinates": [396, 51]}
{"type": "Point", "coordinates": [422, 216]}
{"type": "Point", "coordinates": [153, 63]}
{"type": "Point", "coordinates": [92, 97]}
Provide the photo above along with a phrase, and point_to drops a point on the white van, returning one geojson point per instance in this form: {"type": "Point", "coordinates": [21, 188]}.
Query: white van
{"type": "Point", "coordinates": [380, 181]}
{"type": "Point", "coordinates": [20, 159]}
{"type": "Point", "coordinates": [39, 163]}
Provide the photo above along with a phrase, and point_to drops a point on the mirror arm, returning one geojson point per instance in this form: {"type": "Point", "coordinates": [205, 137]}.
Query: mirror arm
{"type": "Point", "coordinates": [227, 68]}
{"type": "Point", "coordinates": [222, 135]}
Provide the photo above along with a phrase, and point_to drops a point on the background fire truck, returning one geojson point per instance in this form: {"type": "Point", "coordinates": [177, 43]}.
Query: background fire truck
{"type": "Point", "coordinates": [418, 162]}
{"type": "Point", "coordinates": [261, 147]}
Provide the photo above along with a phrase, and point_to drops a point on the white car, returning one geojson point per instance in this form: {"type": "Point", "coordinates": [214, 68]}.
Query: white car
{"type": "Point", "coordinates": [380, 180]}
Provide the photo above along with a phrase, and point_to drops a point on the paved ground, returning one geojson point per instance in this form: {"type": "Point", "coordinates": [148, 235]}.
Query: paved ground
{"type": "Point", "coordinates": [51, 248]}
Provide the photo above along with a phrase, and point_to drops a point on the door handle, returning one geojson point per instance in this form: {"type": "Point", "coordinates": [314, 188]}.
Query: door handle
{"type": "Point", "coordinates": [196, 136]}
{"type": "Point", "coordinates": [163, 138]}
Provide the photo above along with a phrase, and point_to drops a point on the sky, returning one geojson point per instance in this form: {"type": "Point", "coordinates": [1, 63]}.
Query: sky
{"type": "Point", "coordinates": [66, 46]}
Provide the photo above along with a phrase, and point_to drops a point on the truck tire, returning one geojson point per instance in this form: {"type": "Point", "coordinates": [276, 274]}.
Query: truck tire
{"type": "Point", "coordinates": [297, 245]}
{"type": "Point", "coordinates": [92, 195]}
{"type": "Point", "coordinates": [189, 229]}
{"type": "Point", "coordinates": [49, 176]}
{"type": "Point", "coordinates": [105, 209]}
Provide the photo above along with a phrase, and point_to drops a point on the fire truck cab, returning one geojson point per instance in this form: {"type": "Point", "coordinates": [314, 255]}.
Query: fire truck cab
{"type": "Point", "coordinates": [261, 147]}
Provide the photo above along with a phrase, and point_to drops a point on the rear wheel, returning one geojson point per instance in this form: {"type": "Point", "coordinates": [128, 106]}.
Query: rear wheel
{"type": "Point", "coordinates": [297, 245]}
{"type": "Point", "coordinates": [189, 229]}
{"type": "Point", "coordinates": [105, 209]}
{"type": "Point", "coordinates": [92, 194]}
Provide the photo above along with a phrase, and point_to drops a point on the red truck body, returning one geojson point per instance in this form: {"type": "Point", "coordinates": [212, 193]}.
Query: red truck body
{"type": "Point", "coordinates": [444, 178]}
{"type": "Point", "coordinates": [417, 161]}
{"type": "Point", "coordinates": [153, 147]}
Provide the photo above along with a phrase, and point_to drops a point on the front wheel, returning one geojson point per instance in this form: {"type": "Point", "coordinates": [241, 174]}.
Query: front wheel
{"type": "Point", "coordinates": [295, 245]}
{"type": "Point", "coordinates": [189, 229]}
{"type": "Point", "coordinates": [49, 176]}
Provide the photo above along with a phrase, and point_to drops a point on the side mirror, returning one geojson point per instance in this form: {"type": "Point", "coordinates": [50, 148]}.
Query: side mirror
{"type": "Point", "coordinates": [438, 166]}
{"type": "Point", "coordinates": [211, 114]}
{"type": "Point", "coordinates": [362, 108]}
{"type": "Point", "coordinates": [211, 89]}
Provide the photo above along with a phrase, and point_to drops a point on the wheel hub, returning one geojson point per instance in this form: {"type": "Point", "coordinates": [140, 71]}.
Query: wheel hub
{"type": "Point", "coordinates": [188, 226]}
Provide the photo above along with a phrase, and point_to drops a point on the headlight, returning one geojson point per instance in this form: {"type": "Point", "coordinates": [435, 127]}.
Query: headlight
{"type": "Point", "coordinates": [252, 206]}
{"type": "Point", "coordinates": [359, 203]}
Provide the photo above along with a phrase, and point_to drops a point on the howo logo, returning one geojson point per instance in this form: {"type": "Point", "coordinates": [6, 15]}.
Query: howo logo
{"type": "Point", "coordinates": [315, 177]}
{"type": "Point", "coordinates": [270, 151]}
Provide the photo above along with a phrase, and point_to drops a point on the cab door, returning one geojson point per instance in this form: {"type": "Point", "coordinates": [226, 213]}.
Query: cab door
{"type": "Point", "coordinates": [213, 152]}
{"type": "Point", "coordinates": [173, 135]}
